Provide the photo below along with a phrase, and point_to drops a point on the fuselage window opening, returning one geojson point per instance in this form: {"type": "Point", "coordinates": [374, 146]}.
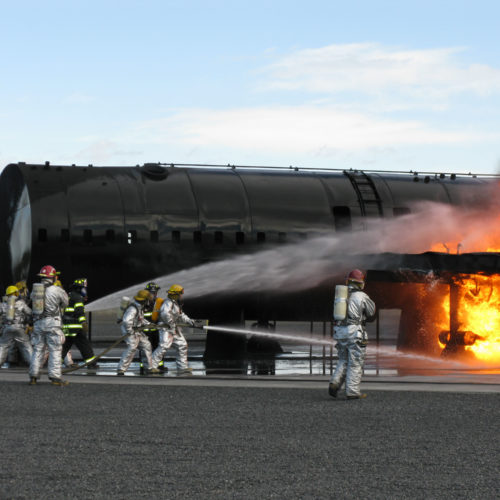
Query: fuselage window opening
{"type": "Point", "coordinates": [110, 235]}
{"type": "Point", "coordinates": [342, 218]}
{"type": "Point", "coordinates": [261, 237]}
{"type": "Point", "coordinates": [197, 237]}
{"type": "Point", "coordinates": [176, 236]}
{"type": "Point", "coordinates": [153, 236]}
{"type": "Point", "coordinates": [131, 237]}
{"type": "Point", "coordinates": [87, 235]}
{"type": "Point", "coordinates": [42, 235]}
{"type": "Point", "coordinates": [218, 237]}
{"type": "Point", "coordinates": [240, 237]}
{"type": "Point", "coordinates": [65, 235]}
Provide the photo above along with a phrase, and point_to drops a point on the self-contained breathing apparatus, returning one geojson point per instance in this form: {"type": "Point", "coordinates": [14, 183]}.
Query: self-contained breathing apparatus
{"type": "Point", "coordinates": [155, 317]}
{"type": "Point", "coordinates": [38, 299]}
{"type": "Point", "coordinates": [124, 303]}
{"type": "Point", "coordinates": [342, 294]}
{"type": "Point", "coordinates": [11, 308]}
{"type": "Point", "coordinates": [141, 296]}
{"type": "Point", "coordinates": [11, 295]}
{"type": "Point", "coordinates": [340, 303]}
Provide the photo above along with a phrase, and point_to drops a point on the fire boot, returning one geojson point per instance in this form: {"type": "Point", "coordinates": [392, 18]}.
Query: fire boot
{"type": "Point", "coordinates": [59, 382]}
{"type": "Point", "coordinates": [357, 396]}
{"type": "Point", "coordinates": [332, 390]}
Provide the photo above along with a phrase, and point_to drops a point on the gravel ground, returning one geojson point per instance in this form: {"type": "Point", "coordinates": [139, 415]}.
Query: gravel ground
{"type": "Point", "coordinates": [125, 441]}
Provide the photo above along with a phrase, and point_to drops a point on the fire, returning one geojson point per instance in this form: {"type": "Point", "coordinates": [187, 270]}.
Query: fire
{"type": "Point", "coordinates": [475, 231]}
{"type": "Point", "coordinates": [457, 247]}
{"type": "Point", "coordinates": [478, 315]}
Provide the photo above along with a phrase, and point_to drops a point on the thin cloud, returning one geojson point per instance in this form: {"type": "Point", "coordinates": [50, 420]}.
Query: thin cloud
{"type": "Point", "coordinates": [105, 150]}
{"type": "Point", "coordinates": [296, 129]}
{"type": "Point", "coordinates": [359, 92]}
{"type": "Point", "coordinates": [372, 68]}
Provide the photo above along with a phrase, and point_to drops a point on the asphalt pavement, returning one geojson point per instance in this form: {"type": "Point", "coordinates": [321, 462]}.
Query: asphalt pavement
{"type": "Point", "coordinates": [244, 438]}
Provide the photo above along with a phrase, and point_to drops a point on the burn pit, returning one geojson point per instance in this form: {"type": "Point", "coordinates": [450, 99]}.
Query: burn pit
{"type": "Point", "coordinates": [450, 304]}
{"type": "Point", "coordinates": [471, 318]}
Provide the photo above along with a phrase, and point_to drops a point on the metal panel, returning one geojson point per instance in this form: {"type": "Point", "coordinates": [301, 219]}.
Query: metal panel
{"type": "Point", "coordinates": [222, 201]}
{"type": "Point", "coordinates": [170, 203]}
{"type": "Point", "coordinates": [287, 203]}
{"type": "Point", "coordinates": [406, 190]}
{"type": "Point", "coordinates": [94, 202]}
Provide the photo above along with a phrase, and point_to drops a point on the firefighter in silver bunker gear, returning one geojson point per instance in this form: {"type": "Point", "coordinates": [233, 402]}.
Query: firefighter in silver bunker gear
{"type": "Point", "coordinates": [351, 337]}
{"type": "Point", "coordinates": [171, 316]}
{"type": "Point", "coordinates": [132, 322]}
{"type": "Point", "coordinates": [47, 327]}
{"type": "Point", "coordinates": [16, 316]}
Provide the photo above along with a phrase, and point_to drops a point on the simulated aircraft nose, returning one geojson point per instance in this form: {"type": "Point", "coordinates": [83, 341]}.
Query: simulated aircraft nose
{"type": "Point", "coordinates": [15, 224]}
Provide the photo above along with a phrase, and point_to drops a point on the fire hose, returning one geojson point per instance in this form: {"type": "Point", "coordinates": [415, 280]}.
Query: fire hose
{"type": "Point", "coordinates": [93, 359]}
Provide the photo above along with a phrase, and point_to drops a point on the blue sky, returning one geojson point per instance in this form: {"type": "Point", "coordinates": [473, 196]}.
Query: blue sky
{"type": "Point", "coordinates": [389, 85]}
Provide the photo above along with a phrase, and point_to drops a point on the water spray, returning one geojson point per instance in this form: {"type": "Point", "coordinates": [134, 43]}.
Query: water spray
{"type": "Point", "coordinates": [305, 265]}
{"type": "Point", "coordinates": [315, 340]}
{"type": "Point", "coordinates": [282, 336]}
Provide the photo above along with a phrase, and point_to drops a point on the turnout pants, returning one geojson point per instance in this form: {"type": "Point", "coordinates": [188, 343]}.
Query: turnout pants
{"type": "Point", "coordinates": [167, 339]}
{"type": "Point", "coordinates": [47, 334]}
{"type": "Point", "coordinates": [13, 335]}
{"type": "Point", "coordinates": [135, 340]}
{"type": "Point", "coordinates": [153, 337]}
{"type": "Point", "coordinates": [349, 369]}
{"type": "Point", "coordinates": [81, 341]}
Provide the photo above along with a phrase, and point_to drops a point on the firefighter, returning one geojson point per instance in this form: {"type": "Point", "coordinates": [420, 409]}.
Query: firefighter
{"type": "Point", "coordinates": [68, 359]}
{"type": "Point", "coordinates": [171, 316]}
{"type": "Point", "coordinates": [351, 336]}
{"type": "Point", "coordinates": [153, 332]}
{"type": "Point", "coordinates": [132, 323]}
{"type": "Point", "coordinates": [23, 291]}
{"type": "Point", "coordinates": [75, 324]}
{"type": "Point", "coordinates": [13, 357]}
{"type": "Point", "coordinates": [16, 316]}
{"type": "Point", "coordinates": [48, 302]}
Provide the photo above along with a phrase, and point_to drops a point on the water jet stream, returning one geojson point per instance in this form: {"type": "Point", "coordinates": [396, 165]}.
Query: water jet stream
{"type": "Point", "coordinates": [260, 333]}
{"type": "Point", "coordinates": [315, 340]}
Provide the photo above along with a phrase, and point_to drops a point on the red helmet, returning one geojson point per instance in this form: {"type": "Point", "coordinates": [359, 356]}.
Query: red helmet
{"type": "Point", "coordinates": [356, 275]}
{"type": "Point", "coordinates": [47, 272]}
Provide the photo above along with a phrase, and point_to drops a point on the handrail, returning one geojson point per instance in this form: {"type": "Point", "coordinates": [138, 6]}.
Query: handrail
{"type": "Point", "coordinates": [326, 169]}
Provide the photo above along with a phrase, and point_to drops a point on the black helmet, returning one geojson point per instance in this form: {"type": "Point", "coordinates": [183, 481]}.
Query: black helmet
{"type": "Point", "coordinates": [152, 287]}
{"type": "Point", "coordinates": [79, 283]}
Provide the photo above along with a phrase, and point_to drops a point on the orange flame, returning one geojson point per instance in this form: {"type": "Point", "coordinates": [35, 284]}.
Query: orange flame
{"type": "Point", "coordinates": [475, 234]}
{"type": "Point", "coordinates": [478, 312]}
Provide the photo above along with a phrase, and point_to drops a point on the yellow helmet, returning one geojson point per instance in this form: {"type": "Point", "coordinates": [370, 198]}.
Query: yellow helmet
{"type": "Point", "coordinates": [142, 295]}
{"type": "Point", "coordinates": [175, 291]}
{"type": "Point", "coordinates": [21, 285]}
{"type": "Point", "coordinates": [12, 290]}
